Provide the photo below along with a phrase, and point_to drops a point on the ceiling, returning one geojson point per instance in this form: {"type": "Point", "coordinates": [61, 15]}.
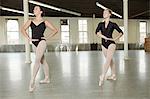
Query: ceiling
{"type": "Point", "coordinates": [138, 9]}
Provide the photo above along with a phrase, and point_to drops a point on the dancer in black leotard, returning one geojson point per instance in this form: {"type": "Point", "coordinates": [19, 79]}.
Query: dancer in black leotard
{"type": "Point", "coordinates": [37, 32]}
{"type": "Point", "coordinates": [105, 30]}
{"type": "Point", "coordinates": [38, 26]}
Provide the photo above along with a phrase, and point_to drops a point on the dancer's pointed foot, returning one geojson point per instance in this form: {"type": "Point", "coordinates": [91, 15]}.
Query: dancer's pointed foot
{"type": "Point", "coordinates": [112, 77]}
{"type": "Point", "coordinates": [101, 80]}
{"type": "Point", "coordinates": [32, 86]}
{"type": "Point", "coordinates": [45, 81]}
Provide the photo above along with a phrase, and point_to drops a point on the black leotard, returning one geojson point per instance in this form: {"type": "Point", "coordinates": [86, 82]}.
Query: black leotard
{"type": "Point", "coordinates": [37, 32]}
{"type": "Point", "coordinates": [107, 32]}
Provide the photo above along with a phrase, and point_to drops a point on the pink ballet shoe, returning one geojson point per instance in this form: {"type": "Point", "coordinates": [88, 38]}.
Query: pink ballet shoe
{"type": "Point", "coordinates": [101, 81]}
{"type": "Point", "coordinates": [112, 77]}
{"type": "Point", "coordinates": [32, 87]}
{"type": "Point", "coordinates": [44, 82]}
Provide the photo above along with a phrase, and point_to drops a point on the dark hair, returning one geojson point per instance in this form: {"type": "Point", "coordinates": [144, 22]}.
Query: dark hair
{"type": "Point", "coordinates": [41, 10]}
{"type": "Point", "coordinates": [109, 10]}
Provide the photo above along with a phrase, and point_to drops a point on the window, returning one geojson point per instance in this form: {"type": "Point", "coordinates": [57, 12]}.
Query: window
{"type": "Point", "coordinates": [143, 31]}
{"type": "Point", "coordinates": [122, 37]}
{"type": "Point", "coordinates": [12, 31]}
{"type": "Point", "coordinates": [82, 31]}
{"type": "Point", "coordinates": [65, 31]}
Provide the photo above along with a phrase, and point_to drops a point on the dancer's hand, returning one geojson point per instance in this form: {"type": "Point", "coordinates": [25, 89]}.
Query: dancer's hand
{"type": "Point", "coordinates": [111, 39]}
{"type": "Point", "coordinates": [116, 39]}
{"type": "Point", "coordinates": [99, 34]}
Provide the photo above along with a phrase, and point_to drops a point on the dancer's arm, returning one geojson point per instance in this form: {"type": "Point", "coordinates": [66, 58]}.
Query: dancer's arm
{"type": "Point", "coordinates": [119, 30]}
{"type": "Point", "coordinates": [118, 37]}
{"type": "Point", "coordinates": [99, 34]}
{"type": "Point", "coordinates": [24, 28]}
{"type": "Point", "coordinates": [52, 27]}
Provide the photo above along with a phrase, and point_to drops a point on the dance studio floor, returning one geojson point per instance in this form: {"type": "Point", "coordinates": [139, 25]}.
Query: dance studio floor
{"type": "Point", "coordinates": [75, 75]}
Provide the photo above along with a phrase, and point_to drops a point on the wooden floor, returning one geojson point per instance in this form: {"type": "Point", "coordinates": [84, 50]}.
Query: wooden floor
{"type": "Point", "coordinates": [75, 75]}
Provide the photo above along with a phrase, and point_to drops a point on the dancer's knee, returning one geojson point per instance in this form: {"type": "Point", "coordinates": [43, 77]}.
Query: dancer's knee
{"type": "Point", "coordinates": [38, 60]}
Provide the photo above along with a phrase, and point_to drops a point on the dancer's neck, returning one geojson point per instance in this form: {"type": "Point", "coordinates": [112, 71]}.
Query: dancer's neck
{"type": "Point", "coordinates": [38, 18]}
{"type": "Point", "coordinates": [107, 20]}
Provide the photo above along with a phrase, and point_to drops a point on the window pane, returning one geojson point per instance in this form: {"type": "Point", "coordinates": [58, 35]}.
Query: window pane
{"type": "Point", "coordinates": [142, 37]}
{"type": "Point", "coordinates": [143, 27]}
{"type": "Point", "coordinates": [65, 28]}
{"type": "Point", "coordinates": [12, 32]}
{"type": "Point", "coordinates": [12, 25]}
{"type": "Point", "coordinates": [65, 37]}
{"type": "Point", "coordinates": [84, 27]}
{"type": "Point", "coordinates": [84, 22]}
{"type": "Point", "coordinates": [80, 34]}
{"type": "Point", "coordinates": [65, 33]}
{"type": "Point", "coordinates": [83, 37]}
{"type": "Point", "coordinates": [79, 22]}
{"type": "Point", "coordinates": [80, 28]}
{"type": "Point", "coordinates": [12, 37]}
{"type": "Point", "coordinates": [82, 31]}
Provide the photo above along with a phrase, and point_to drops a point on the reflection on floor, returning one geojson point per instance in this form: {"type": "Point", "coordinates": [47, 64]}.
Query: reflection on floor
{"type": "Point", "coordinates": [74, 75]}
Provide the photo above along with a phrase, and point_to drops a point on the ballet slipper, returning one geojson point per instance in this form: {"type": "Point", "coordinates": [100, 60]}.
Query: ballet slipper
{"type": "Point", "coordinates": [101, 80]}
{"type": "Point", "coordinates": [112, 77]}
{"type": "Point", "coordinates": [45, 81]}
{"type": "Point", "coordinates": [32, 86]}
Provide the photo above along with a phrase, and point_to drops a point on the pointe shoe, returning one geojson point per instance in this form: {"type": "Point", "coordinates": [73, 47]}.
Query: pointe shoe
{"type": "Point", "coordinates": [44, 82]}
{"type": "Point", "coordinates": [32, 87]}
{"type": "Point", "coordinates": [101, 81]}
{"type": "Point", "coordinates": [112, 77]}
